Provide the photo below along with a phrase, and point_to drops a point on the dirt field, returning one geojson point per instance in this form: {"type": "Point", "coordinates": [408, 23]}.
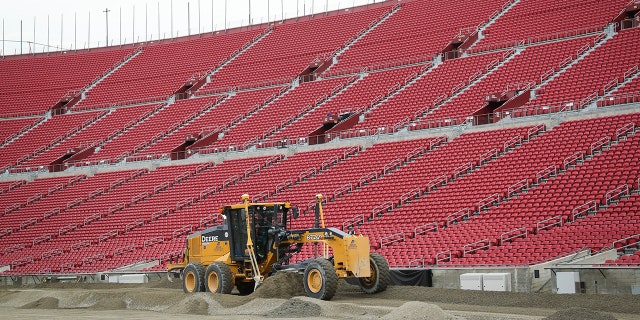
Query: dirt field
{"type": "Point", "coordinates": [282, 297]}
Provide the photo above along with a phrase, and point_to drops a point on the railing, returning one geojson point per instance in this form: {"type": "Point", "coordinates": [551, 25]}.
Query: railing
{"type": "Point", "coordinates": [51, 253]}
{"type": "Point", "coordinates": [21, 261]}
{"type": "Point", "coordinates": [550, 171]}
{"type": "Point", "coordinates": [329, 162]}
{"type": "Point", "coordinates": [132, 225]}
{"type": "Point", "coordinates": [28, 223]}
{"type": "Point", "coordinates": [625, 130]}
{"type": "Point", "coordinates": [6, 231]}
{"type": "Point", "coordinates": [41, 239]}
{"type": "Point", "coordinates": [357, 220]}
{"type": "Point", "coordinates": [620, 98]}
{"type": "Point", "coordinates": [116, 207]}
{"type": "Point", "coordinates": [181, 177]}
{"type": "Point", "coordinates": [139, 197]}
{"type": "Point", "coordinates": [160, 213]}
{"type": "Point", "coordinates": [458, 216]}
{"type": "Point", "coordinates": [443, 256]}
{"type": "Point", "coordinates": [347, 188]}
{"type": "Point", "coordinates": [599, 145]}
{"type": "Point", "coordinates": [80, 244]}
{"type": "Point", "coordinates": [229, 181]}
{"type": "Point", "coordinates": [553, 107]}
{"type": "Point", "coordinates": [25, 114]}
{"type": "Point", "coordinates": [488, 156]}
{"type": "Point", "coordinates": [472, 247]}
{"type": "Point", "coordinates": [416, 263]}
{"type": "Point", "coordinates": [12, 208]}
{"type": "Point", "coordinates": [489, 201]}
{"type": "Point", "coordinates": [547, 223]}
{"type": "Point", "coordinates": [617, 193]}
{"type": "Point", "coordinates": [392, 165]}
{"type": "Point", "coordinates": [34, 198]}
{"type": "Point", "coordinates": [463, 169]}
{"type": "Point", "coordinates": [14, 248]}
{"type": "Point", "coordinates": [181, 231]}
{"type": "Point", "coordinates": [184, 202]}
{"type": "Point", "coordinates": [125, 249]}
{"type": "Point", "coordinates": [518, 187]}
{"type": "Point", "coordinates": [306, 174]}
{"type": "Point", "coordinates": [366, 178]}
{"type": "Point", "coordinates": [162, 186]}
{"type": "Point", "coordinates": [436, 182]}
{"type": "Point", "coordinates": [573, 159]}
{"type": "Point", "coordinates": [95, 193]}
{"type": "Point", "coordinates": [432, 226]}
{"type": "Point", "coordinates": [283, 185]}
{"type": "Point", "coordinates": [513, 234]}
{"type": "Point", "coordinates": [261, 196]}
{"type": "Point", "coordinates": [397, 237]}
{"type": "Point", "coordinates": [94, 258]}
{"type": "Point", "coordinates": [153, 241]}
{"type": "Point", "coordinates": [584, 209]}
{"type": "Point", "coordinates": [108, 235]}
{"type": "Point", "coordinates": [626, 242]}
{"type": "Point", "coordinates": [381, 209]}
{"type": "Point", "coordinates": [67, 228]}
{"type": "Point", "coordinates": [512, 143]}
{"type": "Point", "coordinates": [410, 195]}
{"type": "Point", "coordinates": [540, 38]}
{"type": "Point", "coordinates": [421, 59]}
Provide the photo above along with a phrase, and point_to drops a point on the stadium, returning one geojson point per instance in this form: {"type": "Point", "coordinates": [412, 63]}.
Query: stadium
{"type": "Point", "coordinates": [487, 145]}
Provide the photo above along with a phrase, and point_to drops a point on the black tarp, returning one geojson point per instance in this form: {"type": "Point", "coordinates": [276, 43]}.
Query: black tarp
{"type": "Point", "coordinates": [406, 277]}
{"type": "Point", "coordinates": [411, 277]}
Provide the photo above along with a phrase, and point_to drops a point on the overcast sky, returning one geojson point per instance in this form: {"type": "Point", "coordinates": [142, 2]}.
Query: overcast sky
{"type": "Point", "coordinates": [74, 24]}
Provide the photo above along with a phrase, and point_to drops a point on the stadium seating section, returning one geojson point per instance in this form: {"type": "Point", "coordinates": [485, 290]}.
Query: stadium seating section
{"type": "Point", "coordinates": [250, 109]}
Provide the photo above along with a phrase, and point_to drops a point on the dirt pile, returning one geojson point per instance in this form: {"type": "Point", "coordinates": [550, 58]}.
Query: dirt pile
{"type": "Point", "coordinates": [199, 303]}
{"type": "Point", "coordinates": [283, 285]}
{"type": "Point", "coordinates": [296, 308]}
{"type": "Point", "coordinates": [579, 314]}
{"type": "Point", "coordinates": [415, 310]}
{"type": "Point", "coordinates": [42, 303]}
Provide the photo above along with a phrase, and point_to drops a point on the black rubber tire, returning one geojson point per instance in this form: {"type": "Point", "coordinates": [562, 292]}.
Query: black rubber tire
{"type": "Point", "coordinates": [223, 275]}
{"type": "Point", "coordinates": [193, 272]}
{"type": "Point", "coordinates": [380, 277]}
{"type": "Point", "coordinates": [245, 288]}
{"type": "Point", "coordinates": [326, 280]}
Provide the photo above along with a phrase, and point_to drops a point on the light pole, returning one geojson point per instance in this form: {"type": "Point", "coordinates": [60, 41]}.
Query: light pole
{"type": "Point", "coordinates": [106, 18]}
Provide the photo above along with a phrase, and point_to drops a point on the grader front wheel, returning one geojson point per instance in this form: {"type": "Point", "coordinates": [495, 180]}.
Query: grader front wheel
{"type": "Point", "coordinates": [379, 279]}
{"type": "Point", "coordinates": [193, 278]}
{"type": "Point", "coordinates": [219, 278]}
{"type": "Point", "coordinates": [320, 279]}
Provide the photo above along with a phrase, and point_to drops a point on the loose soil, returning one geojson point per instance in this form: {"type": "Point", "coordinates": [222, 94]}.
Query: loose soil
{"type": "Point", "coordinates": [282, 296]}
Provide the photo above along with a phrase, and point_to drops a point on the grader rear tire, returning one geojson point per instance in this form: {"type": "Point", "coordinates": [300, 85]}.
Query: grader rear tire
{"type": "Point", "coordinates": [193, 278]}
{"type": "Point", "coordinates": [219, 278]}
{"type": "Point", "coordinates": [379, 279]}
{"type": "Point", "coordinates": [320, 279]}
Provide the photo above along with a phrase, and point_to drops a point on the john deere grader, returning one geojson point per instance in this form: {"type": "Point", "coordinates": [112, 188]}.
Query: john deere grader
{"type": "Point", "coordinates": [254, 242]}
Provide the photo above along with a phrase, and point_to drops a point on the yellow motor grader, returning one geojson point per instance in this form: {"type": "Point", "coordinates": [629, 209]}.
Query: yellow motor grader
{"type": "Point", "coordinates": [254, 242]}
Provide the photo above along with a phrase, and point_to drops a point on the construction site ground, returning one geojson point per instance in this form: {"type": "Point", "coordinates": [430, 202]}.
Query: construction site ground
{"type": "Point", "coordinates": [283, 297]}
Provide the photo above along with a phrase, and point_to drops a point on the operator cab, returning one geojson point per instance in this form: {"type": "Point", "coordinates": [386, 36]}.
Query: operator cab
{"type": "Point", "coordinates": [266, 219]}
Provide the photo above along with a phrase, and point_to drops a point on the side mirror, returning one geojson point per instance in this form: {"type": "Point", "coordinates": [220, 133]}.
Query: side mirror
{"type": "Point", "coordinates": [296, 212]}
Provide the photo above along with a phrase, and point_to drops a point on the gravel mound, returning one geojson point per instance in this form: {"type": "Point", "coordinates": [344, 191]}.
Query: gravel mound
{"type": "Point", "coordinates": [196, 304]}
{"type": "Point", "coordinates": [282, 285]}
{"type": "Point", "coordinates": [580, 314]}
{"type": "Point", "coordinates": [296, 308]}
{"type": "Point", "coordinates": [43, 303]}
{"type": "Point", "coordinates": [415, 310]}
